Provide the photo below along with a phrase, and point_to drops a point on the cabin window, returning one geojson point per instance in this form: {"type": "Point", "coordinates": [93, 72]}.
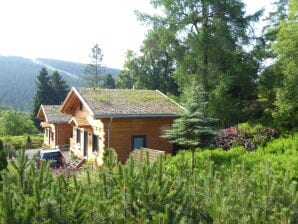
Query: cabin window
{"type": "Point", "coordinates": [81, 106]}
{"type": "Point", "coordinates": [78, 136]}
{"type": "Point", "coordinates": [95, 143]}
{"type": "Point", "coordinates": [52, 136]}
{"type": "Point", "coordinates": [138, 141]}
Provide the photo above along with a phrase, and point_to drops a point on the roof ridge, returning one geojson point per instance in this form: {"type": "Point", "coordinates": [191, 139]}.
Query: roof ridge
{"type": "Point", "coordinates": [76, 90]}
{"type": "Point", "coordinates": [173, 101]}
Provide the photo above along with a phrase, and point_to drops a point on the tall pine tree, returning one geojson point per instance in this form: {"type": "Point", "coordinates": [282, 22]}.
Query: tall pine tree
{"type": "Point", "coordinates": [43, 94]}
{"type": "Point", "coordinates": [207, 38]}
{"type": "Point", "coordinates": [59, 88]}
{"type": "Point", "coordinates": [94, 70]}
{"type": "Point", "coordinates": [50, 90]}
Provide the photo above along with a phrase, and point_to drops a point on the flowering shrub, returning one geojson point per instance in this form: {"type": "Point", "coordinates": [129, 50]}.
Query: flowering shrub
{"type": "Point", "coordinates": [246, 135]}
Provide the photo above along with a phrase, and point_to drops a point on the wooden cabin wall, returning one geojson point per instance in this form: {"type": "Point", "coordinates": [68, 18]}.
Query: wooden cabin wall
{"type": "Point", "coordinates": [122, 130]}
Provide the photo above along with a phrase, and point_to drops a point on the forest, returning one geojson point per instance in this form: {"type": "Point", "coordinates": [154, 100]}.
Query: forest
{"type": "Point", "coordinates": [237, 155]}
{"type": "Point", "coordinates": [18, 76]}
{"type": "Point", "coordinates": [244, 76]}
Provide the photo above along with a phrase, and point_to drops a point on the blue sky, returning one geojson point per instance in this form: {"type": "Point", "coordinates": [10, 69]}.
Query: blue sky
{"type": "Point", "coordinates": [67, 29]}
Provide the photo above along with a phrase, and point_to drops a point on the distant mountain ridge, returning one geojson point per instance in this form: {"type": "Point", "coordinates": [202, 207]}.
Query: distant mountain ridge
{"type": "Point", "coordinates": [18, 75]}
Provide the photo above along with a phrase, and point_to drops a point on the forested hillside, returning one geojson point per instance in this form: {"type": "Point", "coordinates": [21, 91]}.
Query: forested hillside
{"type": "Point", "coordinates": [73, 67]}
{"type": "Point", "coordinates": [18, 74]}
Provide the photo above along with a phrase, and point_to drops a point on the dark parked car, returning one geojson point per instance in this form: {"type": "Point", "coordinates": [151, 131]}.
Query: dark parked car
{"type": "Point", "coordinates": [54, 156]}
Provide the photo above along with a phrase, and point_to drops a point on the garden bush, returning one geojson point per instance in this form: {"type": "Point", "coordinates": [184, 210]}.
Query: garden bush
{"type": "Point", "coordinates": [246, 135]}
{"type": "Point", "coordinates": [22, 141]}
{"type": "Point", "coordinates": [232, 186]}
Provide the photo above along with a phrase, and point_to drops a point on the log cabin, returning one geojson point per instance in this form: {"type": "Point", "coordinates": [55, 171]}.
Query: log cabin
{"type": "Point", "coordinates": [57, 130]}
{"type": "Point", "coordinates": [122, 119]}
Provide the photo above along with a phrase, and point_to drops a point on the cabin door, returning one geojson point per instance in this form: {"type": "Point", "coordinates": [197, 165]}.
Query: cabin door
{"type": "Point", "coordinates": [85, 143]}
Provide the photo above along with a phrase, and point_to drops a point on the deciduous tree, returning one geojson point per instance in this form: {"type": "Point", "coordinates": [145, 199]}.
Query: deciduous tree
{"type": "Point", "coordinates": [286, 48]}
{"type": "Point", "coordinates": [16, 123]}
{"type": "Point", "coordinates": [154, 68]}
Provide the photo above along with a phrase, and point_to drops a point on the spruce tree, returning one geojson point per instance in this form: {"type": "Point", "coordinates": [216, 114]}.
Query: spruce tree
{"type": "Point", "coordinates": [59, 88]}
{"type": "Point", "coordinates": [50, 90]}
{"type": "Point", "coordinates": [193, 129]}
{"type": "Point", "coordinates": [43, 94]}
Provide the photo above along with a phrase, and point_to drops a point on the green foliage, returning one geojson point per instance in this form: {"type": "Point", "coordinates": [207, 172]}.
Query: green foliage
{"type": "Point", "coordinates": [21, 141]}
{"type": "Point", "coordinates": [20, 166]}
{"type": "Point", "coordinates": [3, 160]}
{"type": "Point", "coordinates": [125, 80]}
{"type": "Point", "coordinates": [93, 70]}
{"type": "Point", "coordinates": [16, 123]}
{"type": "Point", "coordinates": [277, 90]}
{"type": "Point", "coordinates": [108, 82]}
{"type": "Point", "coordinates": [270, 79]}
{"type": "Point", "coordinates": [50, 90]}
{"type": "Point", "coordinates": [248, 129]}
{"type": "Point", "coordinates": [59, 88]}
{"type": "Point", "coordinates": [203, 41]}
{"type": "Point", "coordinates": [287, 52]}
{"type": "Point", "coordinates": [18, 75]}
{"type": "Point", "coordinates": [153, 69]}
{"type": "Point", "coordinates": [226, 187]}
{"type": "Point", "coordinates": [193, 128]}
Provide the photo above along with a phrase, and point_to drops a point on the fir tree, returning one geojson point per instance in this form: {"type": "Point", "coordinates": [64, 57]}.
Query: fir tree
{"type": "Point", "coordinates": [43, 93]}
{"type": "Point", "coordinates": [50, 90]}
{"type": "Point", "coordinates": [59, 87]}
{"type": "Point", "coordinates": [193, 129]}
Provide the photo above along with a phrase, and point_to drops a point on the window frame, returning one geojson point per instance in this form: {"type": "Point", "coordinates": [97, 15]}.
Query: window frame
{"type": "Point", "coordinates": [78, 136]}
{"type": "Point", "coordinates": [95, 138]}
{"type": "Point", "coordinates": [133, 137]}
